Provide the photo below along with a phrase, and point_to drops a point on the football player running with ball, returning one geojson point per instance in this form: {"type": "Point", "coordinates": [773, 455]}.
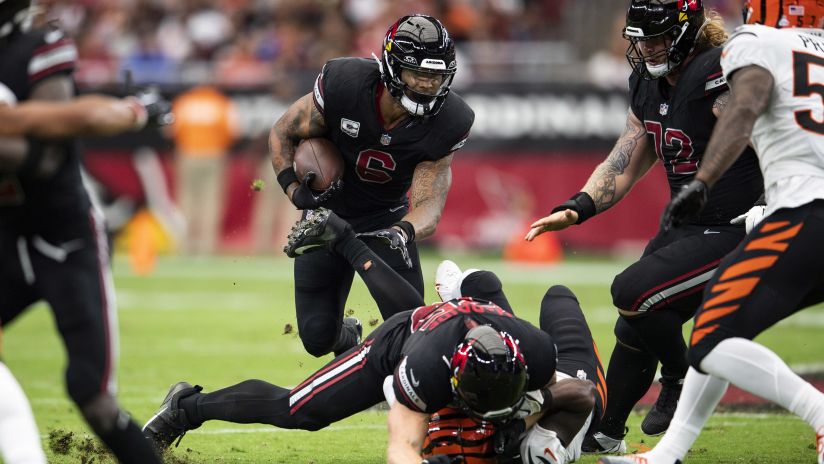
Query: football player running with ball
{"type": "Point", "coordinates": [677, 92]}
{"type": "Point", "coordinates": [777, 270]}
{"type": "Point", "coordinates": [471, 354]}
{"type": "Point", "coordinates": [397, 125]}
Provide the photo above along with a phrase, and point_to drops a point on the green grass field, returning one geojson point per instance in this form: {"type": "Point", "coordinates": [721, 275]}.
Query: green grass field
{"type": "Point", "coordinates": [217, 321]}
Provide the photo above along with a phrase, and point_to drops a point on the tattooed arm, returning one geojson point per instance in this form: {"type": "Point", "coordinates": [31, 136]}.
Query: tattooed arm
{"type": "Point", "coordinates": [628, 161]}
{"type": "Point", "coordinates": [430, 185]}
{"type": "Point", "coordinates": [301, 121]}
{"type": "Point", "coordinates": [720, 103]}
{"type": "Point", "coordinates": [752, 85]}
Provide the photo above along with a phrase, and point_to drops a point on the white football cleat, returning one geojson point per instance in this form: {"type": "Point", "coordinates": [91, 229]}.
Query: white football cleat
{"type": "Point", "coordinates": [819, 445]}
{"type": "Point", "coordinates": [448, 278]}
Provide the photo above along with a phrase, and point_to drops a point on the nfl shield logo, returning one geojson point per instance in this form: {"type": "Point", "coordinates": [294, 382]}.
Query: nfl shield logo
{"type": "Point", "coordinates": [663, 109]}
{"type": "Point", "coordinates": [385, 139]}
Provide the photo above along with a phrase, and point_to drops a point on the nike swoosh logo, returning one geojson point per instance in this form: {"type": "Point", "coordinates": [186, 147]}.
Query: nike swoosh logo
{"type": "Point", "coordinates": [707, 232]}
{"type": "Point", "coordinates": [397, 208]}
{"type": "Point", "coordinates": [301, 250]}
{"type": "Point", "coordinates": [415, 381]}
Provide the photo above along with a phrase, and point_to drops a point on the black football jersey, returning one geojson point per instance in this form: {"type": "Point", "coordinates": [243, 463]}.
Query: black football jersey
{"type": "Point", "coordinates": [679, 122]}
{"type": "Point", "coordinates": [379, 164]}
{"type": "Point", "coordinates": [422, 373]}
{"type": "Point", "coordinates": [33, 204]}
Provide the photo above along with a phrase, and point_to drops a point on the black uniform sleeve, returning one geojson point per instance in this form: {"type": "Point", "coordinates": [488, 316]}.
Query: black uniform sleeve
{"type": "Point", "coordinates": [422, 384]}
{"type": "Point", "coordinates": [338, 86]}
{"type": "Point", "coordinates": [53, 54]}
{"type": "Point", "coordinates": [540, 355]}
{"type": "Point", "coordinates": [636, 102]}
{"type": "Point", "coordinates": [454, 122]}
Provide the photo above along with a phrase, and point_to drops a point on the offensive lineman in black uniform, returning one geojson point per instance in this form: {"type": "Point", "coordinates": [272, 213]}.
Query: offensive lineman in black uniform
{"type": "Point", "coordinates": [473, 354]}
{"type": "Point", "coordinates": [677, 92]}
{"type": "Point", "coordinates": [396, 124]}
{"type": "Point", "coordinates": [52, 242]}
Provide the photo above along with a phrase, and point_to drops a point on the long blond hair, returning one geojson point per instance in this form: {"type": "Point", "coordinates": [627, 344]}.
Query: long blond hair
{"type": "Point", "coordinates": [713, 34]}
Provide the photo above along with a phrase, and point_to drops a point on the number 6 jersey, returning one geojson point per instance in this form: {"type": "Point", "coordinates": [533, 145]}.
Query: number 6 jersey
{"type": "Point", "coordinates": [380, 163]}
{"type": "Point", "coordinates": [789, 135]}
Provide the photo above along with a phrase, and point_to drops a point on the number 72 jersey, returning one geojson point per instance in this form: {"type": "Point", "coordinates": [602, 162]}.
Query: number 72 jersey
{"type": "Point", "coordinates": [789, 136]}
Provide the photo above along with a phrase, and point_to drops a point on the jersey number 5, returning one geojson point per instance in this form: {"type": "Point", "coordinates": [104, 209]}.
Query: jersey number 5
{"type": "Point", "coordinates": [682, 163]}
{"type": "Point", "coordinates": [802, 87]}
{"type": "Point", "coordinates": [374, 166]}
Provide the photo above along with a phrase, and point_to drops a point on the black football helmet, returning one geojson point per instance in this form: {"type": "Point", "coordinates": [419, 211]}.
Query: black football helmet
{"type": "Point", "coordinates": [14, 15]}
{"type": "Point", "coordinates": [679, 21]}
{"type": "Point", "coordinates": [421, 44]}
{"type": "Point", "coordinates": [488, 374]}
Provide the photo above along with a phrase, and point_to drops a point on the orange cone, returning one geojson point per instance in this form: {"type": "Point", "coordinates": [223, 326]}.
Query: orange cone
{"type": "Point", "coordinates": [545, 249]}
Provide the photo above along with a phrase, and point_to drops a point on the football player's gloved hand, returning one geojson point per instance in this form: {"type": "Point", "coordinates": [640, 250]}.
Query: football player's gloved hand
{"type": "Point", "coordinates": [688, 203]}
{"type": "Point", "coordinates": [158, 109]}
{"type": "Point", "coordinates": [443, 459]}
{"type": "Point", "coordinates": [304, 197]}
{"type": "Point", "coordinates": [532, 404]}
{"type": "Point", "coordinates": [507, 439]}
{"type": "Point", "coordinates": [394, 238]}
{"type": "Point", "coordinates": [751, 218]}
{"type": "Point", "coordinates": [542, 445]}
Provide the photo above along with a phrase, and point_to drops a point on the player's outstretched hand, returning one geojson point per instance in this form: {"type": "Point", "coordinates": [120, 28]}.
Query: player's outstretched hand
{"type": "Point", "coordinates": [555, 221]}
{"type": "Point", "coordinates": [688, 203]}
{"type": "Point", "coordinates": [751, 218]}
{"type": "Point", "coordinates": [392, 237]}
{"type": "Point", "coordinates": [158, 109]}
{"type": "Point", "coordinates": [305, 198]}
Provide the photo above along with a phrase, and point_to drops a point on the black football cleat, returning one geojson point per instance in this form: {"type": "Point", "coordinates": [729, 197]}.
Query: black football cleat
{"type": "Point", "coordinates": [170, 422]}
{"type": "Point", "coordinates": [317, 229]}
{"type": "Point", "coordinates": [660, 415]}
{"type": "Point", "coordinates": [353, 324]}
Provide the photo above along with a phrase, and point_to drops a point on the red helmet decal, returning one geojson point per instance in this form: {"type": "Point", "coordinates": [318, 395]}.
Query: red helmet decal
{"type": "Point", "coordinates": [689, 5]}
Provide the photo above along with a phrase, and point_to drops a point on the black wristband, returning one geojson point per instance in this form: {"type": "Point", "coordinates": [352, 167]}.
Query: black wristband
{"type": "Point", "coordinates": [581, 203]}
{"type": "Point", "coordinates": [34, 156]}
{"type": "Point", "coordinates": [286, 177]}
{"type": "Point", "coordinates": [407, 229]}
{"type": "Point", "coordinates": [547, 404]}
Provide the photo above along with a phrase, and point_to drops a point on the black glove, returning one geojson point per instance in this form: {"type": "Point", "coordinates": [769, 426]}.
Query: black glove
{"type": "Point", "coordinates": [158, 109]}
{"type": "Point", "coordinates": [394, 238]}
{"type": "Point", "coordinates": [507, 439]}
{"type": "Point", "coordinates": [443, 459]}
{"type": "Point", "coordinates": [305, 198]}
{"type": "Point", "coordinates": [688, 203]}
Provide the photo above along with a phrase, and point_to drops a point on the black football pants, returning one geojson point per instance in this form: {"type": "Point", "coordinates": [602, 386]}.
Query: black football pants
{"type": "Point", "coordinates": [323, 280]}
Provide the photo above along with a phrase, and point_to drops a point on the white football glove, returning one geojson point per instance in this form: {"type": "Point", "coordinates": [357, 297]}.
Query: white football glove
{"type": "Point", "coordinates": [542, 445]}
{"type": "Point", "coordinates": [751, 218]}
{"type": "Point", "coordinates": [533, 402]}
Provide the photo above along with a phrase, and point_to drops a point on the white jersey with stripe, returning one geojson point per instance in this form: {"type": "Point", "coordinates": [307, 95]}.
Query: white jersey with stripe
{"type": "Point", "coordinates": [789, 136]}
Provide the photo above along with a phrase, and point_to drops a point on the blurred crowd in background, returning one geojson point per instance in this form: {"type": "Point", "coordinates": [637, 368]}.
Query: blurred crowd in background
{"type": "Point", "coordinates": [252, 43]}
{"type": "Point", "coordinates": [547, 80]}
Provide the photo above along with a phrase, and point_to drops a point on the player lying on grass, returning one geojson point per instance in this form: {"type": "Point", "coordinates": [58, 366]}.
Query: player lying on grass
{"type": "Point", "coordinates": [472, 354]}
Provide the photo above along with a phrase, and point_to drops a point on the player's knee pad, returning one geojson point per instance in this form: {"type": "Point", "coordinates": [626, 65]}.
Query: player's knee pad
{"type": "Point", "coordinates": [627, 335]}
{"type": "Point", "coordinates": [542, 445]}
{"type": "Point", "coordinates": [101, 412]}
{"type": "Point", "coordinates": [319, 335]}
{"type": "Point", "coordinates": [625, 291]}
